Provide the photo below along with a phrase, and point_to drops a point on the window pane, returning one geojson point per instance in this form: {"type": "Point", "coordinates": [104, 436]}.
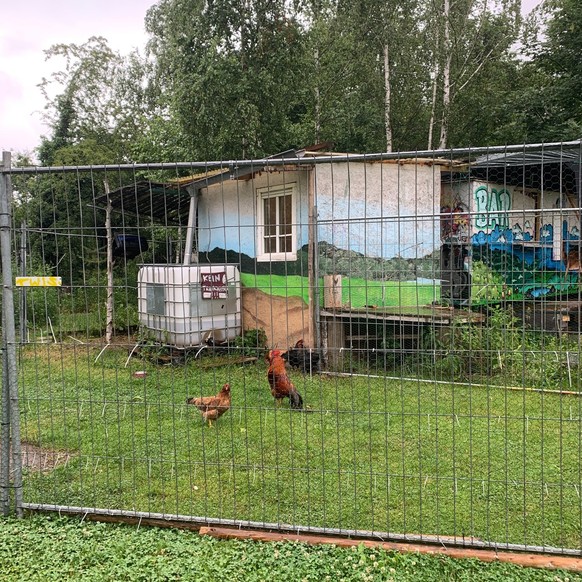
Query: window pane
{"type": "Point", "coordinates": [270, 213]}
{"type": "Point", "coordinates": [270, 210]}
{"type": "Point", "coordinates": [277, 223]}
{"type": "Point", "coordinates": [270, 244]}
{"type": "Point", "coordinates": [285, 243]}
{"type": "Point", "coordinates": [285, 213]}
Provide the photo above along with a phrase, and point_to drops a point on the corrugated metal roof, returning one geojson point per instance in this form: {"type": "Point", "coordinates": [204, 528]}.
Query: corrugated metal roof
{"type": "Point", "coordinates": [169, 202]}
{"type": "Point", "coordinates": [527, 158]}
{"type": "Point", "coordinates": [547, 168]}
{"type": "Point", "coordinates": [159, 202]}
{"type": "Point", "coordinates": [201, 178]}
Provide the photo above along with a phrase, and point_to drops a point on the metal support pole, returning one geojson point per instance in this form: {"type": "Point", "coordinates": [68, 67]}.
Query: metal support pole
{"type": "Point", "coordinates": [9, 330]}
{"type": "Point", "coordinates": [316, 289]}
{"type": "Point", "coordinates": [5, 439]}
{"type": "Point", "coordinates": [5, 426]}
{"type": "Point", "coordinates": [189, 252]}
{"type": "Point", "coordinates": [23, 273]}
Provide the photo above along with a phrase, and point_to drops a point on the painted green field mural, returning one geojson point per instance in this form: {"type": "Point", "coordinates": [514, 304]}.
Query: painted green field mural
{"type": "Point", "coordinates": [356, 292]}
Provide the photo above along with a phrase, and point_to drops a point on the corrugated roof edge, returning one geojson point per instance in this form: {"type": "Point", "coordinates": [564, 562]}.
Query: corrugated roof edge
{"type": "Point", "coordinates": [401, 161]}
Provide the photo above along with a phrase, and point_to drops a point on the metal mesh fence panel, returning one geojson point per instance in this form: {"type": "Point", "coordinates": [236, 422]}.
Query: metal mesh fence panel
{"type": "Point", "coordinates": [382, 345]}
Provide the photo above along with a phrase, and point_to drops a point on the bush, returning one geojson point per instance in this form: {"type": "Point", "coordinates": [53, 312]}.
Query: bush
{"type": "Point", "coordinates": [253, 342]}
{"type": "Point", "coordinates": [503, 347]}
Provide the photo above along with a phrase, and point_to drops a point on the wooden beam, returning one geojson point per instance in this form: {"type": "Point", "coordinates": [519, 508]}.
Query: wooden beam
{"type": "Point", "coordinates": [526, 560]}
{"type": "Point", "coordinates": [311, 262]}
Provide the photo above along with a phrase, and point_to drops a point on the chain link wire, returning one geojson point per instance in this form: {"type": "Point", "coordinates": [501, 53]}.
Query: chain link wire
{"type": "Point", "coordinates": [427, 307]}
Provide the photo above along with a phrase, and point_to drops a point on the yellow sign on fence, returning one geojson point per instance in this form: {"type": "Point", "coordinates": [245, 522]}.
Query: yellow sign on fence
{"type": "Point", "coordinates": [38, 281]}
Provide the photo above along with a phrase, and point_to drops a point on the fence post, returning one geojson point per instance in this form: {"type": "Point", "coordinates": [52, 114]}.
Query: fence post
{"type": "Point", "coordinates": [10, 374]}
{"type": "Point", "coordinates": [5, 438]}
{"type": "Point", "coordinates": [23, 273]}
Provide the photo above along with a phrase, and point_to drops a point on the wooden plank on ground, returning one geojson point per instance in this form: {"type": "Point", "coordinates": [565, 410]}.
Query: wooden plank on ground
{"type": "Point", "coordinates": [517, 558]}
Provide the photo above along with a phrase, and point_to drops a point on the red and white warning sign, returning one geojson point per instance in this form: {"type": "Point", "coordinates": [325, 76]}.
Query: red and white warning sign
{"type": "Point", "coordinates": [214, 285]}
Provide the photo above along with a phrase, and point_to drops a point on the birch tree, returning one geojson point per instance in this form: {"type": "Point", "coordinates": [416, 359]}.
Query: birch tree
{"type": "Point", "coordinates": [471, 40]}
{"type": "Point", "coordinates": [448, 55]}
{"type": "Point", "coordinates": [387, 40]}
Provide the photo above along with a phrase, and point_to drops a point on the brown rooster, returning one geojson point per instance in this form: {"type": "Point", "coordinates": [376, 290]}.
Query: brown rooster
{"type": "Point", "coordinates": [281, 385]}
{"type": "Point", "coordinates": [212, 407]}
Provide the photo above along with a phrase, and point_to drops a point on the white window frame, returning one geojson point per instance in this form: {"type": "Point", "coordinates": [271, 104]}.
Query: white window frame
{"type": "Point", "coordinates": [274, 192]}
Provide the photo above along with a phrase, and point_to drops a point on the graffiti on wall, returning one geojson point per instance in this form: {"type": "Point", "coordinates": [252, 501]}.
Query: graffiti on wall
{"type": "Point", "coordinates": [455, 223]}
{"type": "Point", "coordinates": [519, 250]}
{"type": "Point", "coordinates": [491, 207]}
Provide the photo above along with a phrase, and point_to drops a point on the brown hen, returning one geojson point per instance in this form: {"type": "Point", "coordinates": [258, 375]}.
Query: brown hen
{"type": "Point", "coordinates": [281, 385]}
{"type": "Point", "coordinates": [212, 407]}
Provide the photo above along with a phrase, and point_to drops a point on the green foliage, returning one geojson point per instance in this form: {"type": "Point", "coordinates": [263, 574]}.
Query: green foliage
{"type": "Point", "coordinates": [479, 349]}
{"type": "Point", "coordinates": [450, 367]}
{"type": "Point", "coordinates": [246, 79]}
{"type": "Point", "coordinates": [545, 102]}
{"type": "Point", "coordinates": [100, 96]}
{"type": "Point", "coordinates": [54, 209]}
{"type": "Point", "coordinates": [45, 547]}
{"type": "Point", "coordinates": [237, 65]}
{"type": "Point", "coordinates": [485, 75]}
{"type": "Point", "coordinates": [79, 324]}
{"type": "Point", "coordinates": [500, 274]}
{"type": "Point", "coordinates": [125, 316]}
{"type": "Point", "coordinates": [305, 73]}
{"type": "Point", "coordinates": [151, 349]}
{"type": "Point", "coordinates": [42, 304]}
{"type": "Point", "coordinates": [502, 351]}
{"type": "Point", "coordinates": [486, 284]}
{"type": "Point", "coordinates": [81, 309]}
{"type": "Point", "coordinates": [253, 342]}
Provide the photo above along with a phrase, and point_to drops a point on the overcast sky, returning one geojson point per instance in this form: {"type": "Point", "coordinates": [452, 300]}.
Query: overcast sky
{"type": "Point", "coordinates": [28, 27]}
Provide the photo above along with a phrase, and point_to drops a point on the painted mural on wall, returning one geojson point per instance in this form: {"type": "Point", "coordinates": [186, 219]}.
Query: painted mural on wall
{"type": "Point", "coordinates": [380, 210]}
{"type": "Point", "coordinates": [455, 223]}
{"type": "Point", "coordinates": [529, 242]}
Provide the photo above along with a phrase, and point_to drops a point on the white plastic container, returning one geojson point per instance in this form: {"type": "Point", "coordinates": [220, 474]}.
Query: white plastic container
{"type": "Point", "coordinates": [185, 305]}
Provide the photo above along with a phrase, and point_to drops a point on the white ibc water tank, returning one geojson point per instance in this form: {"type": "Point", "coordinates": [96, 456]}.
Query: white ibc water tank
{"type": "Point", "coordinates": [183, 305]}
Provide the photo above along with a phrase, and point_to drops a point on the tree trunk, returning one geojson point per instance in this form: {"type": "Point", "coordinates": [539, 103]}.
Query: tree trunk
{"type": "Point", "coordinates": [317, 99]}
{"type": "Point", "coordinates": [446, 77]}
{"type": "Point", "coordinates": [387, 100]}
{"type": "Point", "coordinates": [435, 83]}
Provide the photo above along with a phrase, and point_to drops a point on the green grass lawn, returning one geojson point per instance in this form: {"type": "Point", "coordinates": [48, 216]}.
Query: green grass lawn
{"type": "Point", "coordinates": [44, 548]}
{"type": "Point", "coordinates": [371, 454]}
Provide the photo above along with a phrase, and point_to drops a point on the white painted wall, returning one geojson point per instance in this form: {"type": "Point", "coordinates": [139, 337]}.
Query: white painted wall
{"type": "Point", "coordinates": [379, 209]}
{"type": "Point", "coordinates": [227, 211]}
